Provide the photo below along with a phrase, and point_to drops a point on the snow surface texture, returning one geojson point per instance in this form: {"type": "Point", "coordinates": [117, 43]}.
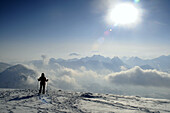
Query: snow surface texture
{"type": "Point", "coordinates": [26, 100]}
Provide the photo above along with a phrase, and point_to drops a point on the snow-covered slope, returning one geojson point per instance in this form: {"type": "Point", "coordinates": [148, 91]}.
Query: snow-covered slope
{"type": "Point", "coordinates": [3, 66]}
{"type": "Point", "coordinates": [17, 76]}
{"type": "Point", "coordinates": [22, 101]}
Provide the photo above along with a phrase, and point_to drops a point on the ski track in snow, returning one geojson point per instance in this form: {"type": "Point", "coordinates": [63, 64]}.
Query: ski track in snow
{"type": "Point", "coordinates": [26, 101]}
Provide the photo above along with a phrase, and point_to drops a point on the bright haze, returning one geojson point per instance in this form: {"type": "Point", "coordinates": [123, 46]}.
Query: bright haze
{"type": "Point", "coordinates": [79, 28]}
{"type": "Point", "coordinates": [104, 46]}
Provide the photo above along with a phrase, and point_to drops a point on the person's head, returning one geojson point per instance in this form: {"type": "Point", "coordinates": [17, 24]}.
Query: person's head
{"type": "Point", "coordinates": [43, 75]}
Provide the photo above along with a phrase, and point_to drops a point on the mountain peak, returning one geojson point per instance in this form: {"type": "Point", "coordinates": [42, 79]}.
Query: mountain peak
{"type": "Point", "coordinates": [116, 57]}
{"type": "Point", "coordinates": [18, 70]}
{"type": "Point", "coordinates": [100, 58]}
{"type": "Point", "coordinates": [163, 57]}
{"type": "Point", "coordinates": [117, 60]}
{"type": "Point", "coordinates": [135, 58]}
{"type": "Point", "coordinates": [17, 76]}
{"type": "Point", "coordinates": [17, 67]}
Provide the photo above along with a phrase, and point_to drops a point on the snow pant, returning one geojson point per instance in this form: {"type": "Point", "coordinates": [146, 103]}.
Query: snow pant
{"type": "Point", "coordinates": [42, 86]}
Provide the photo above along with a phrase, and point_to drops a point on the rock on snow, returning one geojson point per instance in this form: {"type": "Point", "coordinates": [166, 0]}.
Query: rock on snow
{"type": "Point", "coordinates": [26, 101]}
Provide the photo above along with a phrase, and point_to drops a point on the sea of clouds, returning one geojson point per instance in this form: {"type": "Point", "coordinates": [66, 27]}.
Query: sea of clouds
{"type": "Point", "coordinates": [134, 81]}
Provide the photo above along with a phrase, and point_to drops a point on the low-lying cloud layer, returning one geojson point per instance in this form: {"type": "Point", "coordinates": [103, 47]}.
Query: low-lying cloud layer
{"type": "Point", "coordinates": [138, 76]}
{"type": "Point", "coordinates": [135, 81]}
{"type": "Point", "coordinates": [83, 79]}
{"type": "Point", "coordinates": [66, 78]}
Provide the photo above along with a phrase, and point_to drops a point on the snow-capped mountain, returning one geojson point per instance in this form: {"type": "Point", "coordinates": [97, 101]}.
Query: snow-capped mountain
{"type": "Point", "coordinates": [134, 61]}
{"type": "Point", "coordinates": [17, 76]}
{"type": "Point", "coordinates": [98, 63]}
{"type": "Point", "coordinates": [95, 63]}
{"type": "Point", "coordinates": [96, 58]}
{"type": "Point", "coordinates": [161, 63]}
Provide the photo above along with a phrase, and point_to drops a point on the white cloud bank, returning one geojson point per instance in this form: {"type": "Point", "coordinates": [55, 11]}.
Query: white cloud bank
{"type": "Point", "coordinates": [67, 78]}
{"type": "Point", "coordinates": [133, 81]}
{"type": "Point", "coordinates": [138, 76]}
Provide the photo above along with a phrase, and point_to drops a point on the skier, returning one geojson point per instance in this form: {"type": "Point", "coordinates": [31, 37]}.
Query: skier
{"type": "Point", "coordinates": [43, 81]}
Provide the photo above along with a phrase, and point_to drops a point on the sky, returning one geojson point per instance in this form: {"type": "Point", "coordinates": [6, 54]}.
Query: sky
{"type": "Point", "coordinates": [79, 28]}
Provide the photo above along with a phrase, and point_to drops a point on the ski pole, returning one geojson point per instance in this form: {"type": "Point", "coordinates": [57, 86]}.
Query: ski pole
{"type": "Point", "coordinates": [37, 86]}
{"type": "Point", "coordinates": [47, 88]}
{"type": "Point", "coordinates": [37, 89]}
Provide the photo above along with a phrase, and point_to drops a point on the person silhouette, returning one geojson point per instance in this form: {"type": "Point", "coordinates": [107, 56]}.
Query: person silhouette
{"type": "Point", "coordinates": [43, 81]}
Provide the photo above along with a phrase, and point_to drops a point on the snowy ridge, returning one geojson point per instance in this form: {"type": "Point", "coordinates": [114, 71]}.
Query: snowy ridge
{"type": "Point", "coordinates": [3, 66]}
{"type": "Point", "coordinates": [26, 100]}
{"type": "Point", "coordinates": [17, 76]}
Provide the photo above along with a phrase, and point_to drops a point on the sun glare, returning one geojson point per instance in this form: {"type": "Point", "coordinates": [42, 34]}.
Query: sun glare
{"type": "Point", "coordinates": [123, 14]}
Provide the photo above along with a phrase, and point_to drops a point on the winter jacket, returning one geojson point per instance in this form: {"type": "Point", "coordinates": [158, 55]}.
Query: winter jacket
{"type": "Point", "coordinates": [42, 80]}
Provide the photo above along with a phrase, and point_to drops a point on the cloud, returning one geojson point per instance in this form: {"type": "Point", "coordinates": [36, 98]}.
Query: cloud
{"type": "Point", "coordinates": [74, 54]}
{"type": "Point", "coordinates": [127, 82]}
{"type": "Point", "coordinates": [138, 76]}
{"type": "Point", "coordinates": [67, 82]}
{"type": "Point", "coordinates": [43, 56]}
{"type": "Point", "coordinates": [30, 80]}
{"type": "Point", "coordinates": [45, 59]}
{"type": "Point", "coordinates": [66, 78]}
{"type": "Point", "coordinates": [123, 68]}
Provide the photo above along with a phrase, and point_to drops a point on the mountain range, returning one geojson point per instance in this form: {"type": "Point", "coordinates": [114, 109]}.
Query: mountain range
{"type": "Point", "coordinates": [13, 76]}
{"type": "Point", "coordinates": [161, 63]}
{"type": "Point", "coordinates": [98, 63]}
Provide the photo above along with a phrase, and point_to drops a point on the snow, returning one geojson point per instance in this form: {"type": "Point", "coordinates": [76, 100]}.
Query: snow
{"type": "Point", "coordinates": [27, 100]}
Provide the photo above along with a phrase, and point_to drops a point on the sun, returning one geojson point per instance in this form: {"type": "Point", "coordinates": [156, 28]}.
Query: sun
{"type": "Point", "coordinates": [123, 14]}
